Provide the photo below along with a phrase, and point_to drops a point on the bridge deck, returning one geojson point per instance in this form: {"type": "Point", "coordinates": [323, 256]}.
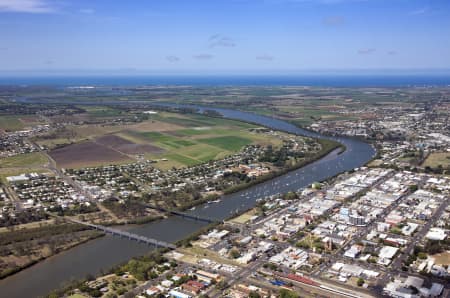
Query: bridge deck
{"type": "Point", "coordinates": [126, 234]}
{"type": "Point", "coordinates": [182, 214]}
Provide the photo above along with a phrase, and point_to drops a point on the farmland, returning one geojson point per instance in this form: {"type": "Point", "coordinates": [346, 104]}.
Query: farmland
{"type": "Point", "coordinates": [170, 139]}
{"type": "Point", "coordinates": [86, 154]}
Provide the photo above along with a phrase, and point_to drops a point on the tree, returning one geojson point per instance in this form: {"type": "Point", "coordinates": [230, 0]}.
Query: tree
{"type": "Point", "coordinates": [360, 282]}
{"type": "Point", "coordinates": [254, 294]}
{"type": "Point", "coordinates": [287, 294]}
{"type": "Point", "coordinates": [234, 253]}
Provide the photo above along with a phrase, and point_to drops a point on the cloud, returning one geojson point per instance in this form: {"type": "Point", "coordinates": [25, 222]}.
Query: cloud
{"type": "Point", "coordinates": [218, 40]}
{"type": "Point", "coordinates": [87, 11]}
{"type": "Point", "coordinates": [366, 51]}
{"type": "Point", "coordinates": [333, 21]}
{"type": "Point", "coordinates": [172, 58]}
{"type": "Point", "coordinates": [26, 6]}
{"type": "Point", "coordinates": [265, 57]}
{"type": "Point", "coordinates": [418, 12]}
{"type": "Point", "coordinates": [314, 1]}
{"type": "Point", "coordinates": [203, 57]}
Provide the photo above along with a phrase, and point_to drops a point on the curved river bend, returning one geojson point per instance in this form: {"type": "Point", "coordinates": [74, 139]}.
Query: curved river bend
{"type": "Point", "coordinates": [105, 252]}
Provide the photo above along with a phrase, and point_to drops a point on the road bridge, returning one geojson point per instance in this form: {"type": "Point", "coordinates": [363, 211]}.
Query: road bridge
{"type": "Point", "coordinates": [125, 234]}
{"type": "Point", "coordinates": [181, 214]}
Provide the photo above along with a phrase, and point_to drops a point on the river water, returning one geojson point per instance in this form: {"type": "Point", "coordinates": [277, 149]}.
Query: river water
{"type": "Point", "coordinates": [105, 252]}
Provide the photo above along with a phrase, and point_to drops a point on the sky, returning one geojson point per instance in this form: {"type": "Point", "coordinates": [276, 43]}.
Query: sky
{"type": "Point", "coordinates": [215, 36]}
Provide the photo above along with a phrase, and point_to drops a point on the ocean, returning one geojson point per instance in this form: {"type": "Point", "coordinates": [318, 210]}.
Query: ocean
{"type": "Point", "coordinates": [365, 80]}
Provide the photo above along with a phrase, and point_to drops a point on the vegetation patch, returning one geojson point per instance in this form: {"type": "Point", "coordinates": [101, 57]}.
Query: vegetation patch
{"type": "Point", "coordinates": [231, 143]}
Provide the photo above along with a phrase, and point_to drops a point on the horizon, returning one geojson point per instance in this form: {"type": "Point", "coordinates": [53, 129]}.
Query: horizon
{"type": "Point", "coordinates": [252, 36]}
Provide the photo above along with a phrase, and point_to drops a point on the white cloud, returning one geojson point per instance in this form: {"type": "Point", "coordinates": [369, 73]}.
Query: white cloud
{"type": "Point", "coordinates": [218, 40]}
{"type": "Point", "coordinates": [87, 10]}
{"type": "Point", "coordinates": [265, 57]}
{"type": "Point", "coordinates": [420, 11]}
{"type": "Point", "coordinates": [366, 51]}
{"type": "Point", "coordinates": [203, 57]}
{"type": "Point", "coordinates": [173, 58]}
{"type": "Point", "coordinates": [26, 6]}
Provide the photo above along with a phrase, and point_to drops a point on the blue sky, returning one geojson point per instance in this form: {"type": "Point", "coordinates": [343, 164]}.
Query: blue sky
{"type": "Point", "coordinates": [174, 36]}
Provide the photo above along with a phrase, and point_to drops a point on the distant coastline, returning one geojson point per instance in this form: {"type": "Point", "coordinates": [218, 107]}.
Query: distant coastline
{"type": "Point", "coordinates": [313, 80]}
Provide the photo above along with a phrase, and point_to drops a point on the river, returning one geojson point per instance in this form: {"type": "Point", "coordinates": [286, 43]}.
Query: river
{"type": "Point", "coordinates": [103, 253]}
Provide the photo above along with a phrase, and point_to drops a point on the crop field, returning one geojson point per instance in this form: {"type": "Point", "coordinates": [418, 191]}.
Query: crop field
{"type": "Point", "coordinates": [171, 139]}
{"type": "Point", "coordinates": [86, 154]}
{"type": "Point", "coordinates": [230, 143]}
{"type": "Point", "coordinates": [126, 146]}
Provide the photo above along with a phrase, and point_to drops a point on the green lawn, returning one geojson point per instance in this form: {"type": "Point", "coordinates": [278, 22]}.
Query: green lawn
{"type": "Point", "coordinates": [230, 143]}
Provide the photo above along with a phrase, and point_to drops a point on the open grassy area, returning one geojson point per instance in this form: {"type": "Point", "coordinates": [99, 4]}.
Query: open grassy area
{"type": "Point", "coordinates": [231, 143]}
{"type": "Point", "coordinates": [28, 160]}
{"type": "Point", "coordinates": [11, 123]}
{"type": "Point", "coordinates": [102, 111]}
{"type": "Point", "coordinates": [442, 258]}
{"type": "Point", "coordinates": [244, 217]}
{"type": "Point", "coordinates": [22, 164]}
{"type": "Point", "coordinates": [436, 159]}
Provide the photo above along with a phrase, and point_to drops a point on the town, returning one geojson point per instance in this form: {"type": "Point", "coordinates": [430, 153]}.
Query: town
{"type": "Point", "coordinates": [380, 229]}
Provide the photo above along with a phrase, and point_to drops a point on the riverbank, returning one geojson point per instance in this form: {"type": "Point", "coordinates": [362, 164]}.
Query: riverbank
{"type": "Point", "coordinates": [327, 147]}
{"type": "Point", "coordinates": [24, 248]}
{"type": "Point", "coordinates": [95, 256]}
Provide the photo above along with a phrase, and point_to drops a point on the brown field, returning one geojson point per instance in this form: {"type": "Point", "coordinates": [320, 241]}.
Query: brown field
{"type": "Point", "coordinates": [126, 146]}
{"type": "Point", "coordinates": [442, 258]}
{"type": "Point", "coordinates": [86, 154]}
{"type": "Point", "coordinates": [437, 158]}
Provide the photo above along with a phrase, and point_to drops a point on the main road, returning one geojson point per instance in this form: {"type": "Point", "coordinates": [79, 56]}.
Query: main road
{"type": "Point", "coordinates": [103, 253]}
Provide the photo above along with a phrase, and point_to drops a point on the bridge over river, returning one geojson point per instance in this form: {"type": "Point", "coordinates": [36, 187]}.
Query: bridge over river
{"type": "Point", "coordinates": [125, 234]}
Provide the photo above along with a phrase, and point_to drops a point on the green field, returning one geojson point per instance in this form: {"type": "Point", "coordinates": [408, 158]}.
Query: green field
{"type": "Point", "coordinates": [166, 140]}
{"type": "Point", "coordinates": [22, 164]}
{"type": "Point", "coordinates": [184, 139]}
{"type": "Point", "coordinates": [27, 160]}
{"type": "Point", "coordinates": [230, 143]}
{"type": "Point", "coordinates": [11, 123]}
{"type": "Point", "coordinates": [102, 111]}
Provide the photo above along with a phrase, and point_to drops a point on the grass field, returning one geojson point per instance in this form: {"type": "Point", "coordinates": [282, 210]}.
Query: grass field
{"type": "Point", "coordinates": [22, 164]}
{"type": "Point", "coordinates": [101, 111]}
{"type": "Point", "coordinates": [436, 159]}
{"type": "Point", "coordinates": [230, 143]}
{"type": "Point", "coordinates": [244, 217]}
{"type": "Point", "coordinates": [11, 123]}
{"type": "Point", "coordinates": [28, 160]}
{"type": "Point", "coordinates": [442, 258]}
